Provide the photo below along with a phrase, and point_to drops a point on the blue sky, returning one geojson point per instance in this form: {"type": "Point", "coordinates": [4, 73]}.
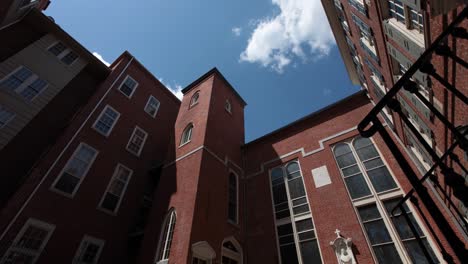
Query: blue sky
{"type": "Point", "coordinates": [278, 54]}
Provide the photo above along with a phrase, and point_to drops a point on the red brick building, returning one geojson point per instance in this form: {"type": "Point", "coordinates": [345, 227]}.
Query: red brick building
{"type": "Point", "coordinates": [138, 176]}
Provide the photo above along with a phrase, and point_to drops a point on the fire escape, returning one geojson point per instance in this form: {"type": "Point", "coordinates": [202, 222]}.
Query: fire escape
{"type": "Point", "coordinates": [446, 175]}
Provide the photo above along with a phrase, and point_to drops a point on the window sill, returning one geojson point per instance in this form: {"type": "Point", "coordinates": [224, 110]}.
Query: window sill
{"type": "Point", "coordinates": [57, 191]}
{"type": "Point", "coordinates": [99, 208]}
{"type": "Point", "coordinates": [133, 153]}
{"type": "Point", "coordinates": [411, 34]}
{"type": "Point", "coordinates": [184, 144]}
{"type": "Point", "coordinates": [236, 225]}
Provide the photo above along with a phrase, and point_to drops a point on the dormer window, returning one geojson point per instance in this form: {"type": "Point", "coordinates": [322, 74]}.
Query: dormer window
{"type": "Point", "coordinates": [228, 106]}
{"type": "Point", "coordinates": [194, 99]}
{"type": "Point", "coordinates": [187, 135]}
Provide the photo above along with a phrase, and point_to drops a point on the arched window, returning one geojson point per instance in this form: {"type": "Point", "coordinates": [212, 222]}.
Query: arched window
{"type": "Point", "coordinates": [231, 252]}
{"type": "Point", "coordinates": [232, 199]}
{"type": "Point", "coordinates": [228, 106]}
{"type": "Point", "coordinates": [194, 99]}
{"type": "Point", "coordinates": [165, 240]}
{"type": "Point", "coordinates": [187, 134]}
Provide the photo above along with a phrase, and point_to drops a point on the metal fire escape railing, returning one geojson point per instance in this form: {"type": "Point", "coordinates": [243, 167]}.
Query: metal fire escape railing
{"type": "Point", "coordinates": [371, 124]}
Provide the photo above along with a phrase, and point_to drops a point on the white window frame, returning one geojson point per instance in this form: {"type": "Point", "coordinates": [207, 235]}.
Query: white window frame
{"type": "Point", "coordinates": [292, 219]}
{"type": "Point", "coordinates": [64, 53]}
{"type": "Point", "coordinates": [31, 222]}
{"type": "Point", "coordinates": [85, 173]}
{"type": "Point", "coordinates": [236, 221]}
{"type": "Point", "coordinates": [134, 88]}
{"type": "Point", "coordinates": [194, 99]}
{"type": "Point", "coordinates": [24, 85]}
{"type": "Point", "coordinates": [226, 252]}
{"type": "Point", "coordinates": [182, 143]}
{"type": "Point", "coordinates": [3, 109]}
{"type": "Point", "coordinates": [161, 248]}
{"type": "Point", "coordinates": [101, 115]}
{"type": "Point", "coordinates": [148, 103]}
{"type": "Point", "coordinates": [142, 144]}
{"type": "Point", "coordinates": [93, 240]}
{"type": "Point", "coordinates": [378, 200]}
{"type": "Point", "coordinates": [114, 176]}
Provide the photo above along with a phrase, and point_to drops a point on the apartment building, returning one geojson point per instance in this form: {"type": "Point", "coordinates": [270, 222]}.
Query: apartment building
{"type": "Point", "coordinates": [379, 41]}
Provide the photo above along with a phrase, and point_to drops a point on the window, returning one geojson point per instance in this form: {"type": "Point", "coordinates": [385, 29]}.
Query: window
{"type": "Point", "coordinates": [75, 170]}
{"type": "Point", "coordinates": [228, 106]}
{"type": "Point", "coordinates": [29, 243]}
{"type": "Point", "coordinates": [5, 116]}
{"type": "Point", "coordinates": [416, 20]}
{"type": "Point", "coordinates": [232, 200]}
{"type": "Point", "coordinates": [63, 53]}
{"type": "Point", "coordinates": [152, 106]}
{"type": "Point", "coordinates": [397, 10]}
{"type": "Point", "coordinates": [231, 252]}
{"type": "Point", "coordinates": [128, 86]}
{"type": "Point", "coordinates": [137, 141]}
{"type": "Point", "coordinates": [194, 99]}
{"type": "Point", "coordinates": [116, 189]}
{"type": "Point", "coordinates": [164, 247]}
{"type": "Point", "coordinates": [294, 224]}
{"type": "Point", "coordinates": [89, 251]}
{"type": "Point", "coordinates": [196, 260]}
{"type": "Point", "coordinates": [374, 193]}
{"type": "Point", "coordinates": [106, 120]}
{"type": "Point", "coordinates": [186, 135]}
{"type": "Point", "coordinates": [25, 83]}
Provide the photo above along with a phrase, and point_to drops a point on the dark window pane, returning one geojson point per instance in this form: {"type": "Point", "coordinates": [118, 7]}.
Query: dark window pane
{"type": "Point", "coordinates": [377, 232]}
{"type": "Point", "coordinates": [110, 202]}
{"type": "Point", "coordinates": [307, 235]}
{"type": "Point", "coordinates": [300, 201]}
{"type": "Point", "coordinates": [285, 229]}
{"type": "Point", "coordinates": [373, 163]}
{"type": "Point", "coordinates": [346, 160]}
{"type": "Point", "coordinates": [403, 228]}
{"type": "Point", "coordinates": [341, 149]}
{"type": "Point", "coordinates": [288, 254]}
{"type": "Point", "coordinates": [304, 225]}
{"type": "Point", "coordinates": [361, 142]}
{"type": "Point", "coordinates": [279, 194]}
{"type": "Point", "coordinates": [381, 179]}
{"type": "Point", "coordinates": [282, 214]}
{"type": "Point", "coordinates": [67, 183]}
{"type": "Point", "coordinates": [301, 209]}
{"type": "Point", "coordinates": [416, 253]}
{"type": "Point", "coordinates": [367, 153]}
{"type": "Point", "coordinates": [296, 188]}
{"type": "Point", "coordinates": [357, 186]}
{"type": "Point", "coordinates": [351, 170]}
{"type": "Point", "coordinates": [369, 212]}
{"type": "Point", "coordinates": [387, 254]}
{"type": "Point", "coordinates": [276, 174]}
{"type": "Point", "coordinates": [310, 252]}
{"type": "Point", "coordinates": [292, 167]}
{"type": "Point", "coordinates": [286, 239]}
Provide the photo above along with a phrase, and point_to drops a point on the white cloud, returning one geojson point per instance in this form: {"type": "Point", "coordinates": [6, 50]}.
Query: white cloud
{"type": "Point", "coordinates": [236, 31]}
{"type": "Point", "coordinates": [99, 56]}
{"type": "Point", "coordinates": [300, 30]}
{"type": "Point", "coordinates": [176, 89]}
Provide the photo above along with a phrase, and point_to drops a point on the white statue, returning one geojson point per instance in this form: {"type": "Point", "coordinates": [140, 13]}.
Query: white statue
{"type": "Point", "coordinates": [343, 250]}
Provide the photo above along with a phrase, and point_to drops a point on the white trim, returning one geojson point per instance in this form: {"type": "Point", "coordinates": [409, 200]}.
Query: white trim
{"type": "Point", "coordinates": [134, 88]}
{"type": "Point", "coordinates": [302, 151]}
{"type": "Point", "coordinates": [99, 118]}
{"type": "Point", "coordinates": [49, 228]}
{"type": "Point", "coordinates": [93, 240]}
{"type": "Point", "coordinates": [162, 239]}
{"type": "Point", "coordinates": [60, 175]}
{"type": "Point", "coordinates": [157, 108]}
{"type": "Point", "coordinates": [229, 253]}
{"type": "Point", "coordinates": [114, 176]}
{"type": "Point", "coordinates": [191, 103]}
{"type": "Point", "coordinates": [142, 143]}
{"type": "Point", "coordinates": [13, 220]}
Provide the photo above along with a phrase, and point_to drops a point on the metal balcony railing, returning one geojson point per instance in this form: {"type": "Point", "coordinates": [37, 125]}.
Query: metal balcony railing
{"type": "Point", "coordinates": [452, 173]}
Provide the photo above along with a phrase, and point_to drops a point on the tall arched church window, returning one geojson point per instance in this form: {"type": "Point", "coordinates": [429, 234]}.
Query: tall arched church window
{"type": "Point", "coordinates": [165, 240]}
